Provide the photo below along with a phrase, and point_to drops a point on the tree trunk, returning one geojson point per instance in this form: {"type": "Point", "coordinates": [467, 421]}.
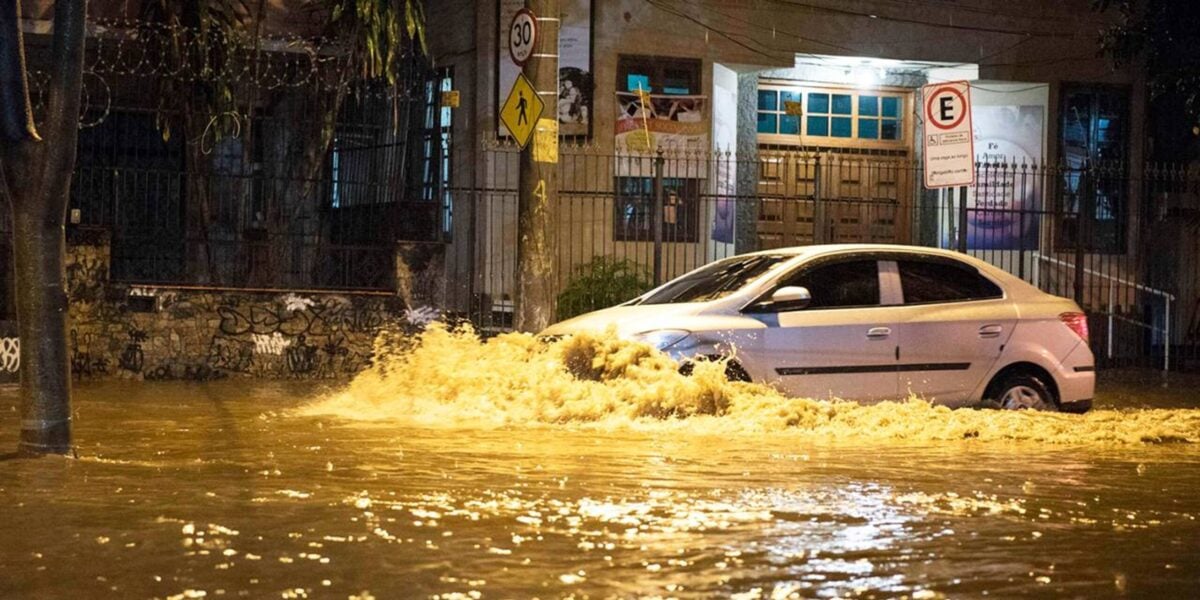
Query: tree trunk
{"type": "Point", "coordinates": [35, 174]}
{"type": "Point", "coordinates": [38, 252]}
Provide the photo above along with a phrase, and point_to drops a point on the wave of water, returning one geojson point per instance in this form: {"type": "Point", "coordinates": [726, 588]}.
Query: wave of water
{"type": "Point", "coordinates": [452, 378]}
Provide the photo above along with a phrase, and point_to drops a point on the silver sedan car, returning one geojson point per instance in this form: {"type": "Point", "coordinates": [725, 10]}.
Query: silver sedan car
{"type": "Point", "coordinates": [868, 323]}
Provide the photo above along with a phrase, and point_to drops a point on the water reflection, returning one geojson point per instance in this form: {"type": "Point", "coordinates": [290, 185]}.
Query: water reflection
{"type": "Point", "coordinates": [558, 487]}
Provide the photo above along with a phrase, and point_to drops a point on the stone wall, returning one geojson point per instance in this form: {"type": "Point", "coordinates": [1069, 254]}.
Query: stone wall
{"type": "Point", "coordinates": [145, 332]}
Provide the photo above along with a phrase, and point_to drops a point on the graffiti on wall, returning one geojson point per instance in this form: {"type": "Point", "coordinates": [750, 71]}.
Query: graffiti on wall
{"type": "Point", "coordinates": [83, 362]}
{"type": "Point", "coordinates": [133, 358]}
{"type": "Point", "coordinates": [332, 316]}
{"type": "Point", "coordinates": [85, 279]}
{"type": "Point", "coordinates": [231, 354]}
{"type": "Point", "coordinates": [158, 333]}
{"type": "Point", "coordinates": [274, 343]}
{"type": "Point", "coordinates": [10, 354]}
{"type": "Point", "coordinates": [296, 336]}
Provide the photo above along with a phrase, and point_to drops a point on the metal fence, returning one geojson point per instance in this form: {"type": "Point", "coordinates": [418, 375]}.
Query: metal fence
{"type": "Point", "coordinates": [273, 198]}
{"type": "Point", "coordinates": [1119, 240]}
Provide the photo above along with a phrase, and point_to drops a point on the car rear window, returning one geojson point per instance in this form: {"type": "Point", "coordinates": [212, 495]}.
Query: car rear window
{"type": "Point", "coordinates": [716, 280]}
{"type": "Point", "coordinates": [926, 281]}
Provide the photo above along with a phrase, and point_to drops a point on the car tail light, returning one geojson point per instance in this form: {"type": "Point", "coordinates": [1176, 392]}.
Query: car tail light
{"type": "Point", "coordinates": [1077, 322]}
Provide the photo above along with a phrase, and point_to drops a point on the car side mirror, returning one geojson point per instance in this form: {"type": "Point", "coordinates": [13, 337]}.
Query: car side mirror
{"type": "Point", "coordinates": [792, 297]}
{"type": "Point", "coordinates": [787, 298]}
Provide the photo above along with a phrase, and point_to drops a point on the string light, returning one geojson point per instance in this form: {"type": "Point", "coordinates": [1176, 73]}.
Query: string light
{"type": "Point", "coordinates": [120, 49]}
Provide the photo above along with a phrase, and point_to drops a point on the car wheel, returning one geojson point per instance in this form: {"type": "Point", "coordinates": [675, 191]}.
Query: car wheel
{"type": "Point", "coordinates": [1022, 391]}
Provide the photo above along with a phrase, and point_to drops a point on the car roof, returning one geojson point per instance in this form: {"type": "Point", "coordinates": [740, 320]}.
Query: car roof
{"type": "Point", "coordinates": [847, 248]}
{"type": "Point", "coordinates": [834, 249]}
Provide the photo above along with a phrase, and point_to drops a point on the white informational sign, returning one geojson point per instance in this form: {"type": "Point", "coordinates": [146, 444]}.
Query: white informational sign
{"type": "Point", "coordinates": [575, 68]}
{"type": "Point", "coordinates": [949, 138]}
{"type": "Point", "coordinates": [522, 35]}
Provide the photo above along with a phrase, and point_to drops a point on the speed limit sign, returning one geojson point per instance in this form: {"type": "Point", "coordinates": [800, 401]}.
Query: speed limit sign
{"type": "Point", "coordinates": [522, 34]}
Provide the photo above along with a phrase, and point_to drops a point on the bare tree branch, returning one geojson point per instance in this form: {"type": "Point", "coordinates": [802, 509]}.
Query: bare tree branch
{"type": "Point", "coordinates": [16, 112]}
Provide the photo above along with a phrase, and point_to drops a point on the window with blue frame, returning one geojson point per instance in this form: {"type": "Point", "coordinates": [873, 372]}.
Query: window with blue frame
{"type": "Point", "coordinates": [773, 111]}
{"type": "Point", "coordinates": [879, 117]}
{"type": "Point", "coordinates": [658, 75]}
{"type": "Point", "coordinates": [830, 113]}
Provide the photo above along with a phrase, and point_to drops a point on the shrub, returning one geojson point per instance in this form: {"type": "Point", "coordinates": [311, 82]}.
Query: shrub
{"type": "Point", "coordinates": [601, 283]}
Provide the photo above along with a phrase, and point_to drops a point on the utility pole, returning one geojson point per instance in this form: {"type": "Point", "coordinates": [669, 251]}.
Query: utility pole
{"type": "Point", "coordinates": [537, 190]}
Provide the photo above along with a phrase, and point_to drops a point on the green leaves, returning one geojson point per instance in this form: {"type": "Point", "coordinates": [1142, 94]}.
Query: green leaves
{"type": "Point", "coordinates": [601, 283]}
{"type": "Point", "coordinates": [414, 20]}
{"type": "Point", "coordinates": [378, 34]}
{"type": "Point", "coordinates": [1160, 36]}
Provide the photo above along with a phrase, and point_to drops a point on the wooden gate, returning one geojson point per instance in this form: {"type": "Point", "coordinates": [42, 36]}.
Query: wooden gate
{"type": "Point", "coordinates": [830, 197]}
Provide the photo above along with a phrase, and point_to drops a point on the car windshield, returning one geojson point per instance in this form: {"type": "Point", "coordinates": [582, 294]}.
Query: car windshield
{"type": "Point", "coordinates": [716, 280]}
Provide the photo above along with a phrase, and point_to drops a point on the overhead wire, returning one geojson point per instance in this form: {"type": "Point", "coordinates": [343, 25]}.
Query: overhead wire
{"type": "Point", "coordinates": [725, 34]}
{"type": "Point", "coordinates": [769, 50]}
{"type": "Point", "coordinates": [993, 13]}
{"type": "Point", "coordinates": [910, 21]}
{"type": "Point", "coordinates": [985, 88]}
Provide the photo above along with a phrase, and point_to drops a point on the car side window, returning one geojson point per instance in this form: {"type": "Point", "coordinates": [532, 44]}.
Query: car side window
{"type": "Point", "coordinates": [924, 282]}
{"type": "Point", "coordinates": [843, 284]}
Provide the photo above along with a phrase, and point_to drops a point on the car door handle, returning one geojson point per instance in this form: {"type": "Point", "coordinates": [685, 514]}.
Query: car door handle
{"type": "Point", "coordinates": [990, 331]}
{"type": "Point", "coordinates": [878, 333]}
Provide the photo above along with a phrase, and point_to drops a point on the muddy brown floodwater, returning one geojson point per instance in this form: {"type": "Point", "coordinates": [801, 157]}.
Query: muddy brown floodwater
{"type": "Point", "coordinates": [467, 470]}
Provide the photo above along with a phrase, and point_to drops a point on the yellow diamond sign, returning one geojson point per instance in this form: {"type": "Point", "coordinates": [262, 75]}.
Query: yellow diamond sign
{"type": "Point", "coordinates": [521, 111]}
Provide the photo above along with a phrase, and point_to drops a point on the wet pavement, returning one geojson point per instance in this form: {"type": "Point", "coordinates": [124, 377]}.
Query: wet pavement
{"type": "Point", "coordinates": [225, 490]}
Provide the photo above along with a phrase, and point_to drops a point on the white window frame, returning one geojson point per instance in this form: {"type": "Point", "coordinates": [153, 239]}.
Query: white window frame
{"type": "Point", "coordinates": [803, 139]}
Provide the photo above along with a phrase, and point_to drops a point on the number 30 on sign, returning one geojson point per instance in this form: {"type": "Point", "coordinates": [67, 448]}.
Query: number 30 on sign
{"type": "Point", "coordinates": [522, 35]}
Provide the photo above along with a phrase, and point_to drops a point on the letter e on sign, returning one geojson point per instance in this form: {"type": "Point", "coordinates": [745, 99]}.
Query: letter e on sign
{"type": "Point", "coordinates": [946, 107]}
{"type": "Point", "coordinates": [949, 138]}
{"type": "Point", "coordinates": [522, 35]}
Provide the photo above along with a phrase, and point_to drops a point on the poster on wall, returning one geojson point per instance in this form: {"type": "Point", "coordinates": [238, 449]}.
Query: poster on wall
{"type": "Point", "coordinates": [724, 133]}
{"type": "Point", "coordinates": [574, 105]}
{"type": "Point", "coordinates": [647, 123]}
{"type": "Point", "coordinates": [1006, 200]}
{"type": "Point", "coordinates": [653, 122]}
{"type": "Point", "coordinates": [723, 215]}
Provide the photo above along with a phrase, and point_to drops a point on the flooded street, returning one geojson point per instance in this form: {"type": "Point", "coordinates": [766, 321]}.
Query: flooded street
{"type": "Point", "coordinates": [291, 490]}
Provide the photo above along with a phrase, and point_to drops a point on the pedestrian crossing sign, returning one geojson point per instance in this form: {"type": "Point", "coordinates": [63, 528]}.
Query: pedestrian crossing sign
{"type": "Point", "coordinates": [521, 111]}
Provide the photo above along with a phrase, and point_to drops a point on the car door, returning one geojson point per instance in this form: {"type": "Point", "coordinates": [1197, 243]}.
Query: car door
{"type": "Point", "coordinates": [843, 344]}
{"type": "Point", "coordinates": [953, 325]}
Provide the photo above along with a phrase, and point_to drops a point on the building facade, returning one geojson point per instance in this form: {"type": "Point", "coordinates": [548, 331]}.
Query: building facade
{"type": "Point", "coordinates": [788, 123]}
{"type": "Point", "coordinates": [688, 131]}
